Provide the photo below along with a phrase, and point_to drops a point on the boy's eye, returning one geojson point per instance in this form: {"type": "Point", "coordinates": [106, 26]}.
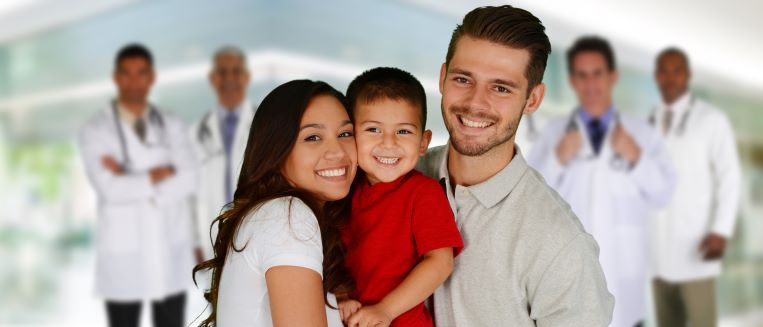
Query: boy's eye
{"type": "Point", "coordinates": [373, 130]}
{"type": "Point", "coordinates": [404, 131]}
{"type": "Point", "coordinates": [346, 134]}
{"type": "Point", "coordinates": [313, 138]}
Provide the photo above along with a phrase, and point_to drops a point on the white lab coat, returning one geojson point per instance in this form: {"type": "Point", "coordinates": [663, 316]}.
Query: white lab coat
{"type": "Point", "coordinates": [144, 232]}
{"type": "Point", "coordinates": [613, 202]}
{"type": "Point", "coordinates": [207, 140]}
{"type": "Point", "coordinates": [707, 194]}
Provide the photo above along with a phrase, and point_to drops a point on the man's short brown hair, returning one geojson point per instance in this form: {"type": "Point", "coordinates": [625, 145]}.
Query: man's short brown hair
{"type": "Point", "coordinates": [513, 27]}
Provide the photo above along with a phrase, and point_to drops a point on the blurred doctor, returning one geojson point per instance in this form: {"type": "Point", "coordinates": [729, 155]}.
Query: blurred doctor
{"type": "Point", "coordinates": [141, 165]}
{"type": "Point", "coordinates": [689, 236]}
{"type": "Point", "coordinates": [219, 141]}
{"type": "Point", "coordinates": [612, 169]}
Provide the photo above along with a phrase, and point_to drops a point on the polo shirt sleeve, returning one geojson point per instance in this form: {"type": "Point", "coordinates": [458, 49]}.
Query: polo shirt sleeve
{"type": "Point", "coordinates": [572, 290]}
{"type": "Point", "coordinates": [287, 235]}
{"type": "Point", "coordinates": [433, 223]}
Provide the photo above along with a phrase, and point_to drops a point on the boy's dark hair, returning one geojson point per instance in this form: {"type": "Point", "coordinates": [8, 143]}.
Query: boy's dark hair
{"type": "Point", "coordinates": [388, 83]}
{"type": "Point", "coordinates": [134, 50]}
{"type": "Point", "coordinates": [509, 26]}
{"type": "Point", "coordinates": [591, 44]}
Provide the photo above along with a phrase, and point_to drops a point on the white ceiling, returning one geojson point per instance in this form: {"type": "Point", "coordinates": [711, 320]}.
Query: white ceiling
{"type": "Point", "coordinates": [723, 38]}
{"type": "Point", "coordinates": [19, 18]}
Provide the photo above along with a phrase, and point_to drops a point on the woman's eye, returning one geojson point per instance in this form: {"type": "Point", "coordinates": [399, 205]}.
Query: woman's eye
{"type": "Point", "coordinates": [373, 130]}
{"type": "Point", "coordinates": [346, 134]}
{"type": "Point", "coordinates": [313, 138]}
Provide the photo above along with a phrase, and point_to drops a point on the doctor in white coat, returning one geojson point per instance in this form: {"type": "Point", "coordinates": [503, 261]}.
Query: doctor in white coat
{"type": "Point", "coordinates": [689, 236]}
{"type": "Point", "coordinates": [141, 165]}
{"type": "Point", "coordinates": [219, 140]}
{"type": "Point", "coordinates": [612, 169]}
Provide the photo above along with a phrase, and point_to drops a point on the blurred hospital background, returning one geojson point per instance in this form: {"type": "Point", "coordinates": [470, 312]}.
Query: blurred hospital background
{"type": "Point", "coordinates": [56, 60]}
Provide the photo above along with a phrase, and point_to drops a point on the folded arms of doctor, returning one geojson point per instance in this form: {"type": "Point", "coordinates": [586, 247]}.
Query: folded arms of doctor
{"type": "Point", "coordinates": [182, 183]}
{"type": "Point", "coordinates": [165, 183]}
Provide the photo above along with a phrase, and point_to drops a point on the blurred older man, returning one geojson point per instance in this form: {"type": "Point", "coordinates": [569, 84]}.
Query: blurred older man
{"type": "Point", "coordinates": [219, 139]}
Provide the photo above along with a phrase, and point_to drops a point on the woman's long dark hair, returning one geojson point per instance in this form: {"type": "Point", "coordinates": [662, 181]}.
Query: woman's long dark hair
{"type": "Point", "coordinates": [272, 136]}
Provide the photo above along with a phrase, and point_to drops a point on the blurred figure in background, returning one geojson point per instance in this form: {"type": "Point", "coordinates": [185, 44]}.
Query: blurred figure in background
{"type": "Point", "coordinates": [219, 140]}
{"type": "Point", "coordinates": [612, 169]}
{"type": "Point", "coordinates": [689, 236]}
{"type": "Point", "coordinates": [142, 168]}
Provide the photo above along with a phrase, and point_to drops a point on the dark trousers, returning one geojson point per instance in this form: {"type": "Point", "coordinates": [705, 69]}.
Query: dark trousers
{"type": "Point", "coordinates": [169, 312]}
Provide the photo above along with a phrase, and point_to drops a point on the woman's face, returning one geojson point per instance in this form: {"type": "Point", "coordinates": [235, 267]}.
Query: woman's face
{"type": "Point", "coordinates": [323, 160]}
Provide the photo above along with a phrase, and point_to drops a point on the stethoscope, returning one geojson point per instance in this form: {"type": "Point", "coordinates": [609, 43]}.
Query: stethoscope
{"type": "Point", "coordinates": [616, 162]}
{"type": "Point", "coordinates": [681, 124]}
{"type": "Point", "coordinates": [204, 135]}
{"type": "Point", "coordinates": [154, 117]}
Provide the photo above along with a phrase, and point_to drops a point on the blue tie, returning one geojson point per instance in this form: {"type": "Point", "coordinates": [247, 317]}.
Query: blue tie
{"type": "Point", "coordinates": [597, 131]}
{"type": "Point", "coordinates": [229, 130]}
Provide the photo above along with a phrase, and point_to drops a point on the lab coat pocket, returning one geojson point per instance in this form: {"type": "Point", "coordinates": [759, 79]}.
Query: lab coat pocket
{"type": "Point", "coordinates": [118, 229]}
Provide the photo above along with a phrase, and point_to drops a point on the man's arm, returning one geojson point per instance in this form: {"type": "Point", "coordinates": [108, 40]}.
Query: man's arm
{"type": "Point", "coordinates": [182, 183]}
{"type": "Point", "coordinates": [651, 171]}
{"type": "Point", "coordinates": [726, 173]}
{"type": "Point", "coordinates": [104, 173]}
{"type": "Point", "coordinates": [572, 291]}
{"type": "Point", "coordinates": [545, 155]}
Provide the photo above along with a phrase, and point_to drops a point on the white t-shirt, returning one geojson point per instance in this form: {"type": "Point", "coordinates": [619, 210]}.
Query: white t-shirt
{"type": "Point", "coordinates": [282, 232]}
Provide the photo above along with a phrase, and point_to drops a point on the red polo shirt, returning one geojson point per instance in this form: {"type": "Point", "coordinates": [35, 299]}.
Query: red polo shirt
{"type": "Point", "coordinates": [391, 227]}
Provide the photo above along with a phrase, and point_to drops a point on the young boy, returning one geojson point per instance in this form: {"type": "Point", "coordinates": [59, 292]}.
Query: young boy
{"type": "Point", "coordinates": [402, 237]}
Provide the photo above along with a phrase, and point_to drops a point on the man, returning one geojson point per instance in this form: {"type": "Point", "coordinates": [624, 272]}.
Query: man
{"type": "Point", "coordinates": [527, 260]}
{"type": "Point", "coordinates": [612, 169]}
{"type": "Point", "coordinates": [141, 166]}
{"type": "Point", "coordinates": [689, 236]}
{"type": "Point", "coordinates": [219, 141]}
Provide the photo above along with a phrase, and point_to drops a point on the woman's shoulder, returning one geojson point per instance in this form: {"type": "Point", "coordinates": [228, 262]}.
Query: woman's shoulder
{"type": "Point", "coordinates": [284, 204]}
{"type": "Point", "coordinates": [281, 214]}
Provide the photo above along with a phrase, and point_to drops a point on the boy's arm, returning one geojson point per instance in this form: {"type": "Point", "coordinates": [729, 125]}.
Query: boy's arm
{"type": "Point", "coordinates": [433, 269]}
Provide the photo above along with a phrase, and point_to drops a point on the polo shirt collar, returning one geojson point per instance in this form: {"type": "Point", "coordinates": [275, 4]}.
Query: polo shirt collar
{"type": "Point", "coordinates": [490, 192]}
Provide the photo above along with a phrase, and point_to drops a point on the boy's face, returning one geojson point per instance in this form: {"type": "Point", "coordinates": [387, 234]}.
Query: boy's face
{"type": "Point", "coordinates": [389, 138]}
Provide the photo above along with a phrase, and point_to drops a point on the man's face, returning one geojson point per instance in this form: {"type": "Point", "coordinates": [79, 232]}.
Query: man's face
{"type": "Point", "coordinates": [134, 77]}
{"type": "Point", "coordinates": [672, 75]}
{"type": "Point", "coordinates": [484, 93]}
{"type": "Point", "coordinates": [592, 80]}
{"type": "Point", "coordinates": [229, 77]}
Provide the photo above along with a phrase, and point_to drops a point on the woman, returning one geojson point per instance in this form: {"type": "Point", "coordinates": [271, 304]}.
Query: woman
{"type": "Point", "coordinates": [282, 234]}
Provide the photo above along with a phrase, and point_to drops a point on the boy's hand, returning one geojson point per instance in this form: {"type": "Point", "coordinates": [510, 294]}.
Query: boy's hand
{"type": "Point", "coordinates": [370, 316]}
{"type": "Point", "coordinates": [347, 308]}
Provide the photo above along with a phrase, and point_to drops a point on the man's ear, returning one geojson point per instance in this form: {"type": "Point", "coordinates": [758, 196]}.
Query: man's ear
{"type": "Point", "coordinates": [152, 77]}
{"type": "Point", "coordinates": [426, 138]}
{"type": "Point", "coordinates": [535, 98]}
{"type": "Point", "coordinates": [443, 72]}
{"type": "Point", "coordinates": [211, 77]}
